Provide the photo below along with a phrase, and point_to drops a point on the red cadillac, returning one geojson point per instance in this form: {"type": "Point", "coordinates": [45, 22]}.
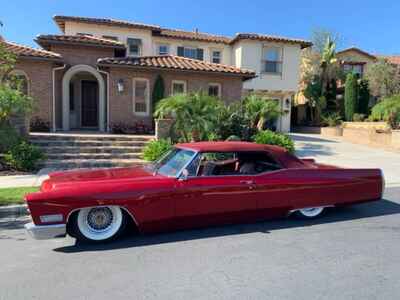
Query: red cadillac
{"type": "Point", "coordinates": [195, 184]}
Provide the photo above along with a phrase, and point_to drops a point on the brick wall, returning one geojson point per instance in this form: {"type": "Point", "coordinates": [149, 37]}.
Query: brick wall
{"type": "Point", "coordinates": [40, 86]}
{"type": "Point", "coordinates": [77, 55]}
{"type": "Point", "coordinates": [121, 104]}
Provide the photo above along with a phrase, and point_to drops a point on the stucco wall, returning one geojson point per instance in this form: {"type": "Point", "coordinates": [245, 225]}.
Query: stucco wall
{"type": "Point", "coordinates": [249, 56]}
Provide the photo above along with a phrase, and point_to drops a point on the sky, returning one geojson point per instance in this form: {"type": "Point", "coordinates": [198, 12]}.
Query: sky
{"type": "Point", "coordinates": [370, 25]}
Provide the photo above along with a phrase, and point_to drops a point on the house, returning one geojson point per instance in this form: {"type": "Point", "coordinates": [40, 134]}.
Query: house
{"type": "Point", "coordinates": [355, 60]}
{"type": "Point", "coordinates": [101, 72]}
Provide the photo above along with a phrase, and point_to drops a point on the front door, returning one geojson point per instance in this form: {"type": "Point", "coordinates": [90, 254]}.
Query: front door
{"type": "Point", "coordinates": [90, 104]}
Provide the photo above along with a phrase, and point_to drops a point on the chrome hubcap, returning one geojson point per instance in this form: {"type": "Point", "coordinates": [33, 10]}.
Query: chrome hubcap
{"type": "Point", "coordinates": [99, 219]}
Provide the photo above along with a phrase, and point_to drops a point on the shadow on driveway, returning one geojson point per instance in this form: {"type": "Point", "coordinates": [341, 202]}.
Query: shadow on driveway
{"type": "Point", "coordinates": [361, 211]}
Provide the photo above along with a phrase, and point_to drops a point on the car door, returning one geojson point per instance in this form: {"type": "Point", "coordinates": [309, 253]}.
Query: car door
{"type": "Point", "coordinates": [215, 199]}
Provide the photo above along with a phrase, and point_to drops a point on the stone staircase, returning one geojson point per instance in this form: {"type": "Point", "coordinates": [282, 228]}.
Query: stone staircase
{"type": "Point", "coordinates": [86, 150]}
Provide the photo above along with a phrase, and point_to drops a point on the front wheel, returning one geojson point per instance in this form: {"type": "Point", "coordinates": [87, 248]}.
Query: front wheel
{"type": "Point", "coordinates": [310, 212]}
{"type": "Point", "coordinates": [99, 224]}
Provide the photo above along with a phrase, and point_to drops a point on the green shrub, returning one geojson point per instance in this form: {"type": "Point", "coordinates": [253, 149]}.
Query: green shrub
{"type": "Point", "coordinates": [272, 138]}
{"type": "Point", "coordinates": [155, 149]}
{"type": "Point", "coordinates": [8, 137]}
{"type": "Point", "coordinates": [387, 110]}
{"type": "Point", "coordinates": [363, 97]}
{"type": "Point", "coordinates": [23, 156]}
{"type": "Point", "coordinates": [359, 117]}
{"type": "Point", "coordinates": [331, 120]}
{"type": "Point", "coordinates": [350, 96]}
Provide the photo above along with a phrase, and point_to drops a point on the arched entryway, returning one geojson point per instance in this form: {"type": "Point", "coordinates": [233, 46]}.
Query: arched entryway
{"type": "Point", "coordinates": [83, 99]}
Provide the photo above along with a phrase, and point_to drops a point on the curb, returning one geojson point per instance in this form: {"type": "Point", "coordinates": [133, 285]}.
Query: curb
{"type": "Point", "coordinates": [13, 211]}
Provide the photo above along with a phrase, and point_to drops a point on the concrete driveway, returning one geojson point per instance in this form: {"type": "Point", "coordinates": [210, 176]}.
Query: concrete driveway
{"type": "Point", "coordinates": [351, 253]}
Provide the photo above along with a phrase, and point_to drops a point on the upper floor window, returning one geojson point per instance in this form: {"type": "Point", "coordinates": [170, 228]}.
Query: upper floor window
{"type": "Point", "coordinates": [163, 50]}
{"type": "Point", "coordinates": [216, 56]}
{"type": "Point", "coordinates": [190, 52]}
{"type": "Point", "coordinates": [110, 37]}
{"type": "Point", "coordinates": [178, 87]}
{"type": "Point", "coordinates": [134, 47]}
{"type": "Point", "coordinates": [141, 96]}
{"type": "Point", "coordinates": [214, 89]}
{"type": "Point", "coordinates": [272, 60]}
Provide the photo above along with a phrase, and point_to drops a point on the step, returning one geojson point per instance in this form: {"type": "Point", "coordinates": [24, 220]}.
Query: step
{"type": "Point", "coordinates": [90, 137]}
{"type": "Point", "coordinates": [92, 149]}
{"type": "Point", "coordinates": [90, 163]}
{"type": "Point", "coordinates": [61, 143]}
{"type": "Point", "coordinates": [93, 156]}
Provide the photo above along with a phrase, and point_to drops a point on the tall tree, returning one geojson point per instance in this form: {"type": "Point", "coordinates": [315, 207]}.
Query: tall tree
{"type": "Point", "coordinates": [363, 97]}
{"type": "Point", "coordinates": [350, 96]}
{"type": "Point", "coordinates": [383, 79]}
{"type": "Point", "coordinates": [158, 91]}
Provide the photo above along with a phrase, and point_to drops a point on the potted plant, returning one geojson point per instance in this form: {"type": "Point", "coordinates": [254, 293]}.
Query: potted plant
{"type": "Point", "coordinates": [332, 124]}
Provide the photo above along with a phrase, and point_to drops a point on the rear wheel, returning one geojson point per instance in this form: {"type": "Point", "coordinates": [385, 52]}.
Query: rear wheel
{"type": "Point", "coordinates": [310, 212]}
{"type": "Point", "coordinates": [99, 224]}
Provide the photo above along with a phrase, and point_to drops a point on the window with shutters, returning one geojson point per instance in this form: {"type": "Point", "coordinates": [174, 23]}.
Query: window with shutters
{"type": "Point", "coordinates": [191, 52]}
{"type": "Point", "coordinates": [141, 96]}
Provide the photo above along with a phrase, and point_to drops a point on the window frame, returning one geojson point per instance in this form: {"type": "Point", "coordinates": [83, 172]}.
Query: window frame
{"type": "Point", "coordinates": [163, 45]}
{"type": "Point", "coordinates": [279, 62]}
{"type": "Point", "coordinates": [212, 56]}
{"type": "Point", "coordinates": [147, 97]}
{"type": "Point", "coordinates": [219, 85]}
{"type": "Point", "coordinates": [138, 44]}
{"type": "Point", "coordinates": [178, 82]}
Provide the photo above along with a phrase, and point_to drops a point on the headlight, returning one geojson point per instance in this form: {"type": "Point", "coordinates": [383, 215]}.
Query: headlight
{"type": "Point", "coordinates": [51, 218]}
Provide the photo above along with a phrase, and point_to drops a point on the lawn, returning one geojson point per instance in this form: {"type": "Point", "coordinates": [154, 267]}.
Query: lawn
{"type": "Point", "coordinates": [10, 196]}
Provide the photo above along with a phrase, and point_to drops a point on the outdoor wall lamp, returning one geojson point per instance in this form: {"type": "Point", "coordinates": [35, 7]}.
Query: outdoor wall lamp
{"type": "Point", "coordinates": [120, 85]}
{"type": "Point", "coordinates": [287, 103]}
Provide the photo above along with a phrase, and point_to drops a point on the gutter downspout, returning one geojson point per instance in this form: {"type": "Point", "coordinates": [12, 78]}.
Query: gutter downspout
{"type": "Point", "coordinates": [108, 96]}
{"type": "Point", "coordinates": [54, 95]}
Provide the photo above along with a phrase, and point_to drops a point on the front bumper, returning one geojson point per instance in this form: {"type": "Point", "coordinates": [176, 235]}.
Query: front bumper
{"type": "Point", "coordinates": [44, 232]}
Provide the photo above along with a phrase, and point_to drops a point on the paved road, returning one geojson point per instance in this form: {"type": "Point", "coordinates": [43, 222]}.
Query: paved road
{"type": "Point", "coordinates": [351, 253]}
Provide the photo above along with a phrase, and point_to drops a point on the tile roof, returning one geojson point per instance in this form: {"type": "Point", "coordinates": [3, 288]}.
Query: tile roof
{"type": "Point", "coordinates": [191, 35]}
{"type": "Point", "coordinates": [393, 59]}
{"type": "Point", "coordinates": [29, 52]}
{"type": "Point", "coordinates": [45, 40]}
{"type": "Point", "coordinates": [176, 63]}
{"type": "Point", "coordinates": [60, 20]}
{"type": "Point", "coordinates": [356, 50]}
{"type": "Point", "coordinates": [271, 38]}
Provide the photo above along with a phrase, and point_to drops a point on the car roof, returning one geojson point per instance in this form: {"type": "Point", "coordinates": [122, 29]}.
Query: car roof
{"type": "Point", "coordinates": [230, 146]}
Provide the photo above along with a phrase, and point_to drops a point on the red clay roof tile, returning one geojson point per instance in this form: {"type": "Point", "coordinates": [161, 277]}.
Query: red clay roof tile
{"type": "Point", "coordinates": [29, 52]}
{"type": "Point", "coordinates": [45, 40]}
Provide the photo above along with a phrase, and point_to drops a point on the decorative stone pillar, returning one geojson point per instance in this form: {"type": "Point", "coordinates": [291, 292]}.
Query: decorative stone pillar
{"type": "Point", "coordinates": [163, 128]}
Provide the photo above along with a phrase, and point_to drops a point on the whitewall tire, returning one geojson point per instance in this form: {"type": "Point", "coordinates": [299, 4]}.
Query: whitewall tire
{"type": "Point", "coordinates": [310, 212]}
{"type": "Point", "coordinates": [99, 224]}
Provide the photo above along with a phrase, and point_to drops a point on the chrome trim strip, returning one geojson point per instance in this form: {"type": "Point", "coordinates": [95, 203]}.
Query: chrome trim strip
{"type": "Point", "coordinates": [44, 232]}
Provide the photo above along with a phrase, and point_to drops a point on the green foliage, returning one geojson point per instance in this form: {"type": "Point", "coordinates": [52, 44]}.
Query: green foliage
{"type": "Point", "coordinates": [258, 110]}
{"type": "Point", "coordinates": [158, 90]}
{"type": "Point", "coordinates": [350, 96]}
{"type": "Point", "coordinates": [332, 119]}
{"type": "Point", "coordinates": [195, 115]}
{"type": "Point", "coordinates": [387, 110]}
{"type": "Point", "coordinates": [383, 79]}
{"type": "Point", "coordinates": [359, 117]}
{"type": "Point", "coordinates": [23, 156]}
{"type": "Point", "coordinates": [155, 149]}
{"type": "Point", "coordinates": [8, 137]}
{"type": "Point", "coordinates": [363, 97]}
{"type": "Point", "coordinates": [273, 138]}
{"type": "Point", "coordinates": [13, 102]}
{"type": "Point", "coordinates": [7, 61]}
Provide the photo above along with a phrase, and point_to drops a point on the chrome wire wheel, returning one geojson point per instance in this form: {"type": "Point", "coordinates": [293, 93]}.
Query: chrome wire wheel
{"type": "Point", "coordinates": [99, 223]}
{"type": "Point", "coordinates": [311, 212]}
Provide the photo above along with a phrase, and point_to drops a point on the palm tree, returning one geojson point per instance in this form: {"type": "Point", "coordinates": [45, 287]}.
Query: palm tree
{"type": "Point", "coordinates": [195, 115]}
{"type": "Point", "coordinates": [328, 64]}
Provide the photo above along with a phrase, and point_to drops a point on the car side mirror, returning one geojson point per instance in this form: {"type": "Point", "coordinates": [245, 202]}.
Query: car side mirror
{"type": "Point", "coordinates": [184, 176]}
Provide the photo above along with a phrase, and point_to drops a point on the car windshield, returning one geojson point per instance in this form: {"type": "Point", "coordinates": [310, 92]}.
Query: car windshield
{"type": "Point", "coordinates": [173, 162]}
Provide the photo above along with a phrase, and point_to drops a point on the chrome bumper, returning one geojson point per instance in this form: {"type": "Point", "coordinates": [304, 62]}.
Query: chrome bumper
{"type": "Point", "coordinates": [44, 232]}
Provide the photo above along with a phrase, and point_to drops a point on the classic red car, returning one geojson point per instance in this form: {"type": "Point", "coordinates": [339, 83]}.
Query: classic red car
{"type": "Point", "coordinates": [193, 185]}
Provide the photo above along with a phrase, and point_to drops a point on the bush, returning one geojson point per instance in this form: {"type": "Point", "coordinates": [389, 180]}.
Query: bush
{"type": "Point", "coordinates": [359, 117]}
{"type": "Point", "coordinates": [23, 156]}
{"type": "Point", "coordinates": [350, 96]}
{"type": "Point", "coordinates": [387, 110]}
{"type": "Point", "coordinates": [363, 97]}
{"type": "Point", "coordinates": [272, 138]}
{"type": "Point", "coordinates": [8, 137]}
{"type": "Point", "coordinates": [155, 149]}
{"type": "Point", "coordinates": [331, 120]}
